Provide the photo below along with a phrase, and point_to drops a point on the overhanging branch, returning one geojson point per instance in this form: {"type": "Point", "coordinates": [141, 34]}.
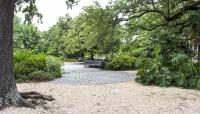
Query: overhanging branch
{"type": "Point", "coordinates": [190, 7]}
{"type": "Point", "coordinates": [153, 28]}
{"type": "Point", "coordinates": [194, 6]}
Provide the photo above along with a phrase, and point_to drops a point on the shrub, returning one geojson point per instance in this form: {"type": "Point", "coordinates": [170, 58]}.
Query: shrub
{"type": "Point", "coordinates": [192, 81]}
{"type": "Point", "coordinates": [29, 66]}
{"type": "Point", "coordinates": [145, 77]}
{"type": "Point", "coordinates": [139, 52]}
{"type": "Point", "coordinates": [198, 84]}
{"type": "Point", "coordinates": [197, 68]}
{"type": "Point", "coordinates": [169, 65]}
{"type": "Point", "coordinates": [182, 75]}
{"type": "Point", "coordinates": [150, 73]}
{"type": "Point", "coordinates": [21, 78]}
{"type": "Point", "coordinates": [122, 62]}
{"type": "Point", "coordinates": [22, 69]}
{"type": "Point", "coordinates": [22, 55]}
{"type": "Point", "coordinates": [40, 76]}
{"type": "Point", "coordinates": [71, 60]}
{"type": "Point", "coordinates": [53, 65]}
{"type": "Point", "coordinates": [36, 60]}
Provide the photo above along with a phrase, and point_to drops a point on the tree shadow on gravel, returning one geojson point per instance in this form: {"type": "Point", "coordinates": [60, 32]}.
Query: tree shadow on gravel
{"type": "Point", "coordinates": [30, 100]}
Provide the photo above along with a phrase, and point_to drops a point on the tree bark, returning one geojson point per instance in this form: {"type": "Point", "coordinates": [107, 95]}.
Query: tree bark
{"type": "Point", "coordinates": [198, 52]}
{"type": "Point", "coordinates": [92, 55]}
{"type": "Point", "coordinates": [9, 96]}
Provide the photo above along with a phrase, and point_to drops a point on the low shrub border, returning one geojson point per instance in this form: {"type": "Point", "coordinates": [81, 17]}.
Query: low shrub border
{"type": "Point", "coordinates": [29, 66]}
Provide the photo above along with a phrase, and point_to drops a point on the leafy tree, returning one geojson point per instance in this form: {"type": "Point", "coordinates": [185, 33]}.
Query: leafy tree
{"type": "Point", "coordinates": [86, 33]}
{"type": "Point", "coordinates": [54, 36]}
{"type": "Point", "coordinates": [157, 13]}
{"type": "Point", "coordinates": [91, 35]}
{"type": "Point", "coordinates": [25, 36]}
{"type": "Point", "coordinates": [103, 32]}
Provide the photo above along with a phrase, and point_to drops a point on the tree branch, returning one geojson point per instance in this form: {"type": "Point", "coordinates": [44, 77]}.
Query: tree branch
{"type": "Point", "coordinates": [190, 7]}
{"type": "Point", "coordinates": [155, 27]}
{"type": "Point", "coordinates": [142, 12]}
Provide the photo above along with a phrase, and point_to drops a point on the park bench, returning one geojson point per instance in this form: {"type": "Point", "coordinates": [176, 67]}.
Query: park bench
{"type": "Point", "coordinates": [94, 63]}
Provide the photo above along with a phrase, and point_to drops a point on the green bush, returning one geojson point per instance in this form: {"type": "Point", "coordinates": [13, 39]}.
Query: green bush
{"type": "Point", "coordinates": [192, 81]}
{"type": "Point", "coordinates": [184, 75]}
{"type": "Point", "coordinates": [53, 65]}
{"type": "Point", "coordinates": [71, 60]}
{"type": "Point", "coordinates": [198, 84]}
{"type": "Point", "coordinates": [122, 62]}
{"type": "Point", "coordinates": [197, 68]}
{"type": "Point", "coordinates": [22, 55]}
{"type": "Point", "coordinates": [21, 78]}
{"type": "Point", "coordinates": [169, 65]}
{"type": "Point", "coordinates": [40, 76]}
{"type": "Point", "coordinates": [29, 66]}
{"type": "Point", "coordinates": [23, 69]}
{"type": "Point", "coordinates": [36, 60]}
{"type": "Point", "coordinates": [139, 52]}
{"type": "Point", "coordinates": [145, 77]}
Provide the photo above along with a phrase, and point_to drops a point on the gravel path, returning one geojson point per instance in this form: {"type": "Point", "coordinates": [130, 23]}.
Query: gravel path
{"type": "Point", "coordinates": [76, 74]}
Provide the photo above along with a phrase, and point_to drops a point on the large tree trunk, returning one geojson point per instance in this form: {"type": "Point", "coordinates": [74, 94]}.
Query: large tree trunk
{"type": "Point", "coordinates": [9, 96]}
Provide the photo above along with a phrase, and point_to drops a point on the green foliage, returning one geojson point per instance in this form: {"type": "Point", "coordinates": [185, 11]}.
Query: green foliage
{"type": "Point", "coordinates": [21, 78]}
{"type": "Point", "coordinates": [156, 74]}
{"type": "Point", "coordinates": [20, 55]}
{"type": "Point", "coordinates": [29, 66]}
{"type": "Point", "coordinates": [85, 33]}
{"type": "Point", "coordinates": [26, 36]}
{"type": "Point", "coordinates": [23, 69]}
{"type": "Point", "coordinates": [37, 61]}
{"type": "Point", "coordinates": [41, 76]}
{"type": "Point", "coordinates": [55, 40]}
{"type": "Point", "coordinates": [121, 62]}
{"type": "Point", "coordinates": [53, 66]}
{"type": "Point", "coordinates": [102, 38]}
{"type": "Point", "coordinates": [71, 60]}
{"type": "Point", "coordinates": [139, 52]}
{"type": "Point", "coordinates": [177, 71]}
{"type": "Point", "coordinates": [170, 66]}
{"type": "Point", "coordinates": [198, 84]}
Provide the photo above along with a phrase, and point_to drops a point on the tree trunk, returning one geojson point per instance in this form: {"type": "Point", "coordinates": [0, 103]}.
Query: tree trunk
{"type": "Point", "coordinates": [198, 52]}
{"type": "Point", "coordinates": [9, 96]}
{"type": "Point", "coordinates": [92, 55]}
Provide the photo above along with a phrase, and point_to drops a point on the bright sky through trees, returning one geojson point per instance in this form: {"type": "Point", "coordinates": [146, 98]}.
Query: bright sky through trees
{"type": "Point", "coordinates": [52, 9]}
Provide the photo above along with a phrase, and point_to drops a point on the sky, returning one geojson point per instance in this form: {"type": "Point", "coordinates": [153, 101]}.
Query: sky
{"type": "Point", "coordinates": [53, 9]}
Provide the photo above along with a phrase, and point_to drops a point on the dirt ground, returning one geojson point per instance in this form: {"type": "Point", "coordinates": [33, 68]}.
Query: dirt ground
{"type": "Point", "coordinates": [123, 98]}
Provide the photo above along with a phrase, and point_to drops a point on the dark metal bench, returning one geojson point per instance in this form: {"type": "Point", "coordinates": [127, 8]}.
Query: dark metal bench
{"type": "Point", "coordinates": [94, 63]}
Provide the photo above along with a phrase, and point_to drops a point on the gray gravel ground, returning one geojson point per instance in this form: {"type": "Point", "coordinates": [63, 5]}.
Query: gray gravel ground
{"type": "Point", "coordinates": [76, 74]}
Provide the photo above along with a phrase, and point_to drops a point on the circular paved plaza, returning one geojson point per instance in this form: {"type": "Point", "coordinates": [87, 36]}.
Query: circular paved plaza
{"type": "Point", "coordinates": [76, 74]}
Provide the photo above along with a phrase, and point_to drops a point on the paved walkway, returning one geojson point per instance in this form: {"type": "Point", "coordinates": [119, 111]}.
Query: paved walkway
{"type": "Point", "coordinates": [76, 74]}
